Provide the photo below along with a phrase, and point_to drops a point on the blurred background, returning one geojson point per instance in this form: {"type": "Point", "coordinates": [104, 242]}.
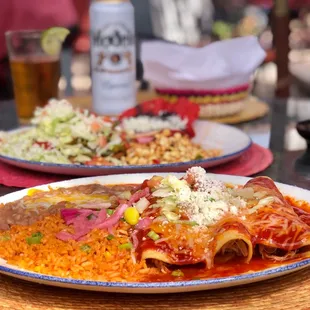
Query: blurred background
{"type": "Point", "coordinates": [191, 22]}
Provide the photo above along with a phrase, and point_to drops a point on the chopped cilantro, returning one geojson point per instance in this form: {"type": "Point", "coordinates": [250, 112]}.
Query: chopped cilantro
{"type": "Point", "coordinates": [110, 237]}
{"type": "Point", "coordinates": [85, 248]}
{"type": "Point", "coordinates": [126, 246]}
{"type": "Point", "coordinates": [177, 273]}
{"type": "Point", "coordinates": [90, 216]}
{"type": "Point", "coordinates": [152, 234]}
{"type": "Point", "coordinates": [211, 199]}
{"type": "Point", "coordinates": [198, 157]}
{"type": "Point", "coordinates": [189, 223]}
{"type": "Point", "coordinates": [110, 211]}
{"type": "Point", "coordinates": [35, 238]}
{"type": "Point", "coordinates": [5, 238]}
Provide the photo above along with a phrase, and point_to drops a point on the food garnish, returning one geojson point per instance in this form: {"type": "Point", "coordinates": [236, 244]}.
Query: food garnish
{"type": "Point", "coordinates": [52, 39]}
{"type": "Point", "coordinates": [35, 238]}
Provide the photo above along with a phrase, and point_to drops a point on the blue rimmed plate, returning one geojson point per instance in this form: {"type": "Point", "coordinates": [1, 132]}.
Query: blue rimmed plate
{"type": "Point", "coordinates": [156, 287]}
{"type": "Point", "coordinates": [232, 141]}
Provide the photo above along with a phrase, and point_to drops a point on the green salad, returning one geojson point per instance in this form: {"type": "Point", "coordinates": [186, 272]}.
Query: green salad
{"type": "Point", "coordinates": [64, 134]}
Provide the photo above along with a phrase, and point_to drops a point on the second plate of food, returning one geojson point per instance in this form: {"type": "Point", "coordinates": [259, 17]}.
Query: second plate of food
{"type": "Point", "coordinates": [67, 141]}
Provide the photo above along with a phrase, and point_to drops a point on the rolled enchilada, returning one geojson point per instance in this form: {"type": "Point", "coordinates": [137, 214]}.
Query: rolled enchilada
{"type": "Point", "coordinates": [278, 230]}
{"type": "Point", "coordinates": [265, 225]}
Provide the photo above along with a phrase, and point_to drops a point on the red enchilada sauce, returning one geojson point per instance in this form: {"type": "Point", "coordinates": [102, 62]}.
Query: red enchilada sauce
{"type": "Point", "coordinates": [200, 272]}
{"type": "Point", "coordinates": [192, 269]}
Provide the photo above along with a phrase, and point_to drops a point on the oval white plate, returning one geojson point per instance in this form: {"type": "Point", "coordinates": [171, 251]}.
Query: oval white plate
{"type": "Point", "coordinates": [150, 288]}
{"type": "Point", "coordinates": [231, 140]}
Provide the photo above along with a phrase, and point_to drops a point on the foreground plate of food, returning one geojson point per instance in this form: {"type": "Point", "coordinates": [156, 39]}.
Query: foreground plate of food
{"type": "Point", "coordinates": [167, 233]}
{"type": "Point", "coordinates": [66, 140]}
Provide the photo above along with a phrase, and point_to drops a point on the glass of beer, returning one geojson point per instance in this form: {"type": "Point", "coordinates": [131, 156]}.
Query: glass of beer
{"type": "Point", "coordinates": [35, 74]}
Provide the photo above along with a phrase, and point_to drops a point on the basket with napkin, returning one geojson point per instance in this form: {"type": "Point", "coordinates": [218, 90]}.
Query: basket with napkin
{"type": "Point", "coordinates": [217, 77]}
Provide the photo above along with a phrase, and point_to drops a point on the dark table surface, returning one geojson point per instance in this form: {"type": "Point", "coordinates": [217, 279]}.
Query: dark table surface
{"type": "Point", "coordinates": [277, 131]}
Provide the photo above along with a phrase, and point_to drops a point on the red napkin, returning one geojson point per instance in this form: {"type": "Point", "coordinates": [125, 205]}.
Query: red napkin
{"type": "Point", "coordinates": [183, 107]}
{"type": "Point", "coordinates": [255, 160]}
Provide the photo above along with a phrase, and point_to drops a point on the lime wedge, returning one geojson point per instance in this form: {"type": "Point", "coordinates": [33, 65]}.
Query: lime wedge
{"type": "Point", "coordinates": [52, 39]}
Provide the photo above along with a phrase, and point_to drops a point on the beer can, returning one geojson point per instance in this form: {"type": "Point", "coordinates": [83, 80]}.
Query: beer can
{"type": "Point", "coordinates": [113, 56]}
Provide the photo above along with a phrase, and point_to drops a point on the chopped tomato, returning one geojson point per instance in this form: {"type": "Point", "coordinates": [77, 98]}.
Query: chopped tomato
{"type": "Point", "coordinates": [124, 139]}
{"type": "Point", "coordinates": [102, 141]}
{"type": "Point", "coordinates": [98, 161]}
{"type": "Point", "coordinates": [156, 161]}
{"type": "Point", "coordinates": [183, 216]}
{"type": "Point", "coordinates": [106, 118]}
{"type": "Point", "coordinates": [95, 126]}
{"type": "Point", "coordinates": [90, 113]}
{"type": "Point", "coordinates": [154, 181]}
{"type": "Point", "coordinates": [190, 179]}
{"type": "Point", "coordinates": [45, 145]}
{"type": "Point", "coordinates": [139, 194]}
{"type": "Point", "coordinates": [122, 201]}
{"type": "Point", "coordinates": [144, 184]}
{"type": "Point", "coordinates": [123, 135]}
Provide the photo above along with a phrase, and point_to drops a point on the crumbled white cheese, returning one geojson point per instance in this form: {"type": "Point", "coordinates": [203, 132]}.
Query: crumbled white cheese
{"type": "Point", "coordinates": [211, 200]}
{"type": "Point", "coordinates": [197, 172]}
{"type": "Point", "coordinates": [202, 182]}
{"type": "Point", "coordinates": [144, 123]}
{"type": "Point", "coordinates": [234, 210]}
{"type": "Point", "coordinates": [205, 210]}
{"type": "Point", "coordinates": [206, 204]}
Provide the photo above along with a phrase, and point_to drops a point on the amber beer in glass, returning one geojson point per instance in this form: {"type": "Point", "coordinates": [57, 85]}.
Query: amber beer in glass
{"type": "Point", "coordinates": [35, 74]}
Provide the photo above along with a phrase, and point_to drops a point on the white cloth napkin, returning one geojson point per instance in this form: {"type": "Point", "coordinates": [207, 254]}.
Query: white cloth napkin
{"type": "Point", "coordinates": [219, 65]}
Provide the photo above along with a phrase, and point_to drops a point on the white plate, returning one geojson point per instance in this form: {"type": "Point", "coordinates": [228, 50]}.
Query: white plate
{"type": "Point", "coordinates": [151, 288]}
{"type": "Point", "coordinates": [231, 140]}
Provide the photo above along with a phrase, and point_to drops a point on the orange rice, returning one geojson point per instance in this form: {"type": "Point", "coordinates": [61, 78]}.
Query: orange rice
{"type": "Point", "coordinates": [105, 261]}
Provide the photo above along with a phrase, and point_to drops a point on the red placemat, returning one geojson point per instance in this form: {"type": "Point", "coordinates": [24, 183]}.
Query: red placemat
{"type": "Point", "coordinates": [254, 160]}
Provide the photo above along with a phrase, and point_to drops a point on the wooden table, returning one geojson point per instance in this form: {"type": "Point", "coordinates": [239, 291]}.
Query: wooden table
{"type": "Point", "coordinates": [286, 293]}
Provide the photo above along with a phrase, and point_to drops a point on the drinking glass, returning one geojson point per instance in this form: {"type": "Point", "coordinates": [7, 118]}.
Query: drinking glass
{"type": "Point", "coordinates": [35, 74]}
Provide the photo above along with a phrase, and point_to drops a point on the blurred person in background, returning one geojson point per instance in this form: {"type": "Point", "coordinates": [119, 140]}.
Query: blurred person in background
{"type": "Point", "coordinates": [27, 15]}
{"type": "Point", "coordinates": [299, 15]}
{"type": "Point", "coordinates": [193, 21]}
{"type": "Point", "coordinates": [237, 18]}
{"type": "Point", "coordinates": [180, 21]}
{"type": "Point", "coordinates": [293, 4]}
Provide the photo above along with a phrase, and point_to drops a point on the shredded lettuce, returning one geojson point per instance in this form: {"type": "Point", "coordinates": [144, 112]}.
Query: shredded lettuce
{"type": "Point", "coordinates": [63, 134]}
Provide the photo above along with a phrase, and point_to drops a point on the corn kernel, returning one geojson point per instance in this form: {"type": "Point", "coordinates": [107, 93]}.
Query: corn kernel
{"type": "Point", "coordinates": [33, 191]}
{"type": "Point", "coordinates": [131, 216]}
{"type": "Point", "coordinates": [107, 254]}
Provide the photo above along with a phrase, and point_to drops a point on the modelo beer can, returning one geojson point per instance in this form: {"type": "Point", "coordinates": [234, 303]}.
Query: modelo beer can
{"type": "Point", "coordinates": [113, 59]}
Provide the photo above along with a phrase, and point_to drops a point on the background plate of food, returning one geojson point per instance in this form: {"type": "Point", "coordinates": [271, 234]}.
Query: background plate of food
{"type": "Point", "coordinates": [140, 233]}
{"type": "Point", "coordinates": [156, 136]}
